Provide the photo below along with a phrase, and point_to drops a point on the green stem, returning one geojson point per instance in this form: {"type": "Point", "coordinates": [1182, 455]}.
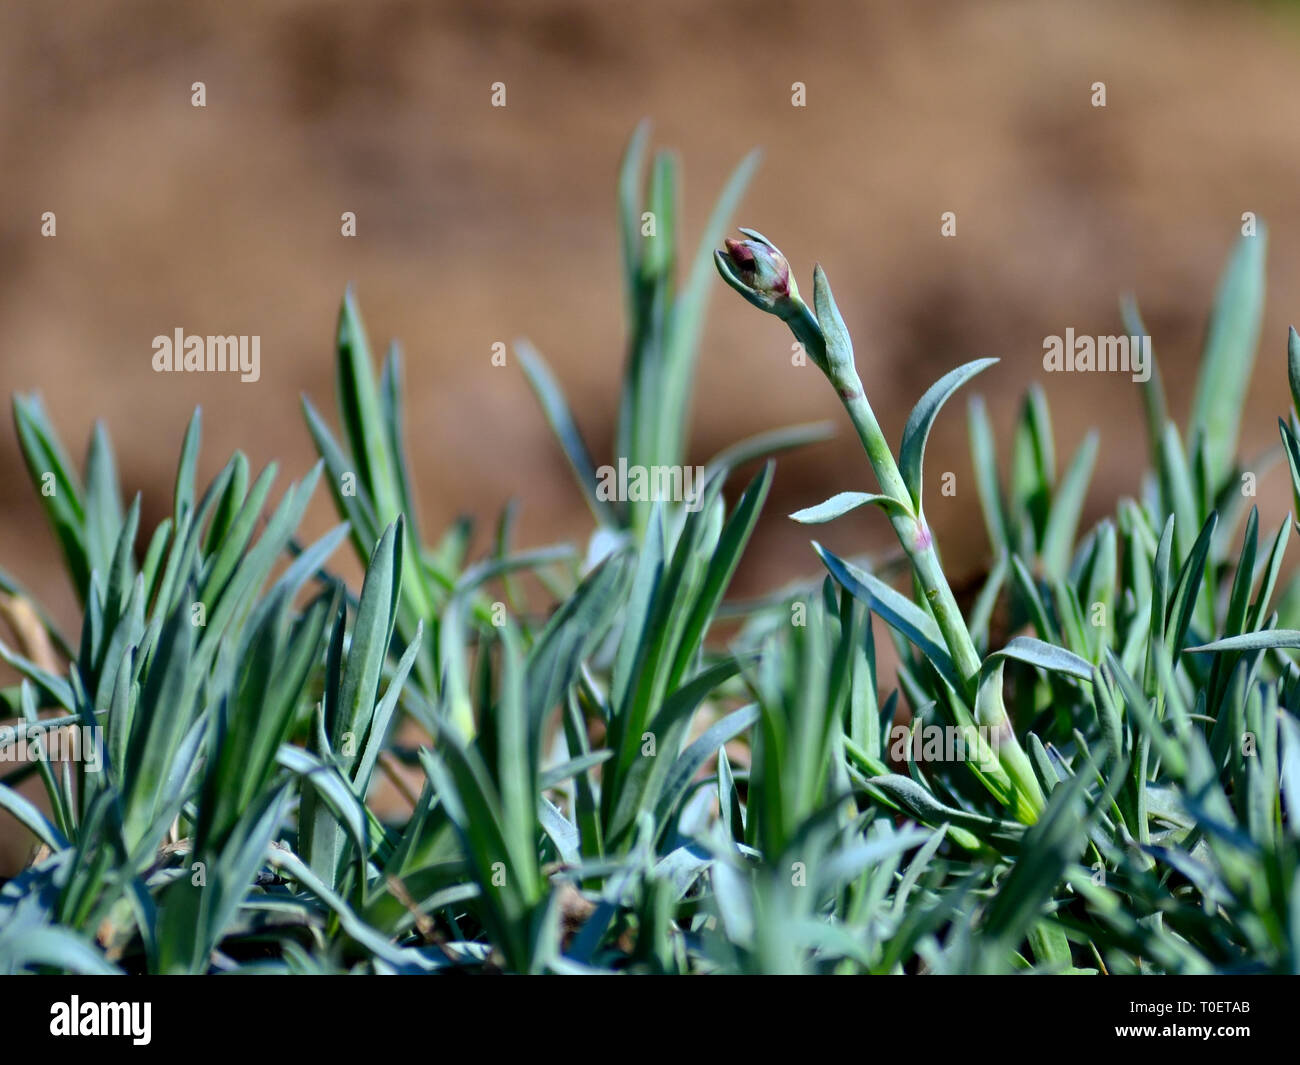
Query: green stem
{"type": "Point", "coordinates": [912, 531]}
{"type": "Point", "coordinates": [918, 542]}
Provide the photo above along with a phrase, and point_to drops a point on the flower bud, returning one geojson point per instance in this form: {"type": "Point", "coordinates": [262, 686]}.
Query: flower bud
{"type": "Point", "coordinates": [758, 271]}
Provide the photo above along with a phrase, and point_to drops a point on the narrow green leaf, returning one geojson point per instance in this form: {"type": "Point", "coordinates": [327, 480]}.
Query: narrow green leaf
{"type": "Point", "coordinates": [560, 418]}
{"type": "Point", "coordinates": [912, 452]}
{"type": "Point", "coordinates": [1045, 656]}
{"type": "Point", "coordinates": [983, 449]}
{"type": "Point", "coordinates": [1229, 354]}
{"type": "Point", "coordinates": [1067, 507]}
{"type": "Point", "coordinates": [901, 613]}
{"type": "Point", "coordinates": [843, 502]}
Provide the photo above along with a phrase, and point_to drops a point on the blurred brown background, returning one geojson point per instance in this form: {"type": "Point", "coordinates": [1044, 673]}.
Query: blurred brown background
{"type": "Point", "coordinates": [478, 224]}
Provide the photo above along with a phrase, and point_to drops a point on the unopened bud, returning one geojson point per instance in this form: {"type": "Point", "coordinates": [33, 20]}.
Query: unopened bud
{"type": "Point", "coordinates": [758, 271]}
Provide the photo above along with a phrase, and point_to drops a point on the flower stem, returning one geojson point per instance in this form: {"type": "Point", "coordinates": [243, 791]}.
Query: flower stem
{"type": "Point", "coordinates": [760, 273]}
{"type": "Point", "coordinates": [912, 531]}
{"type": "Point", "coordinates": [918, 542]}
